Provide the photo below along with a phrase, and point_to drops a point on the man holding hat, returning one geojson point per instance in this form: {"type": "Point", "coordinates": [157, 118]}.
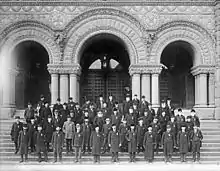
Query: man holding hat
{"type": "Point", "coordinates": [16, 128]}
{"type": "Point", "coordinates": [168, 143]}
{"type": "Point", "coordinates": [114, 143]}
{"type": "Point", "coordinates": [183, 143]}
{"type": "Point", "coordinates": [23, 140]}
{"type": "Point", "coordinates": [196, 138]}
{"type": "Point", "coordinates": [57, 143]}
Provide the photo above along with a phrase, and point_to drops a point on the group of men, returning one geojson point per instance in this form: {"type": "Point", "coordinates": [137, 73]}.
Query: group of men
{"type": "Point", "coordinates": [107, 126]}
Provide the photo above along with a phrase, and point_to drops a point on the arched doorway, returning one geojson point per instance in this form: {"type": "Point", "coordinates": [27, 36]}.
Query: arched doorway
{"type": "Point", "coordinates": [176, 80]}
{"type": "Point", "coordinates": [104, 63]}
{"type": "Point", "coordinates": [33, 78]}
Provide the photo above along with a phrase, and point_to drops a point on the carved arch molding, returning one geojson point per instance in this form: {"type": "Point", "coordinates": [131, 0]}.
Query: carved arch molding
{"type": "Point", "coordinates": [115, 22]}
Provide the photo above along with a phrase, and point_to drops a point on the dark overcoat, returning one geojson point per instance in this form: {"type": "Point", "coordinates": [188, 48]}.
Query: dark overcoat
{"type": "Point", "coordinates": [168, 142]}
{"type": "Point", "coordinates": [16, 128]}
{"type": "Point", "coordinates": [114, 141]}
{"type": "Point", "coordinates": [40, 140]}
{"type": "Point", "coordinates": [78, 139]}
{"type": "Point", "coordinates": [140, 130]}
{"type": "Point", "coordinates": [49, 128]}
{"type": "Point", "coordinates": [148, 143]}
{"type": "Point", "coordinates": [23, 141]}
{"type": "Point", "coordinates": [57, 141]}
{"type": "Point", "coordinates": [131, 137]}
{"type": "Point", "coordinates": [96, 142]}
{"type": "Point", "coordinates": [86, 129]}
{"type": "Point", "coordinates": [183, 142]}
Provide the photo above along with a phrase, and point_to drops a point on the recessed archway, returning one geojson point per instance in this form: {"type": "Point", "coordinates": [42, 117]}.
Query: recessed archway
{"type": "Point", "coordinates": [176, 80]}
{"type": "Point", "coordinates": [33, 78]}
{"type": "Point", "coordinates": [104, 62]}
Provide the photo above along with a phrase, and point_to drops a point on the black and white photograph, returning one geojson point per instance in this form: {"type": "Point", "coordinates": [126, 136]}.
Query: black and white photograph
{"type": "Point", "coordinates": [109, 85]}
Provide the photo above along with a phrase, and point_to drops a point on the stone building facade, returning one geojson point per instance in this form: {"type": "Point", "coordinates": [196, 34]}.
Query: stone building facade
{"type": "Point", "coordinates": [145, 27]}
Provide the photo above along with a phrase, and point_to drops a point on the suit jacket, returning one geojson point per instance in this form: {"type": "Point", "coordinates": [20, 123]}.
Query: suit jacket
{"type": "Point", "coordinates": [57, 141]}
{"type": "Point", "coordinates": [16, 128]}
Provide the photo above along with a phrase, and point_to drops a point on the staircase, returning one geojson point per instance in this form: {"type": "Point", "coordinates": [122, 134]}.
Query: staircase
{"type": "Point", "coordinates": [210, 151]}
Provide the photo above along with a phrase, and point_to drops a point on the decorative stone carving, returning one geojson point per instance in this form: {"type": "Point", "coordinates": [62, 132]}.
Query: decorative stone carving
{"type": "Point", "coordinates": [145, 69]}
{"type": "Point", "coordinates": [64, 68]}
{"type": "Point", "coordinates": [202, 69]}
{"type": "Point", "coordinates": [60, 38]}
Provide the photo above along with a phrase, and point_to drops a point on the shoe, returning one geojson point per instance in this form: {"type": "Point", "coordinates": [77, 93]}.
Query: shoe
{"type": "Point", "coordinates": [16, 152]}
{"type": "Point", "coordinates": [21, 161]}
{"type": "Point", "coordinates": [54, 161]}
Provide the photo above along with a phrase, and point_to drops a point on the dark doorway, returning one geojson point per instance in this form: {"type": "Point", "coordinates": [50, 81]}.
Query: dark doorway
{"type": "Point", "coordinates": [104, 63]}
{"type": "Point", "coordinates": [176, 81]}
{"type": "Point", "coordinates": [33, 78]}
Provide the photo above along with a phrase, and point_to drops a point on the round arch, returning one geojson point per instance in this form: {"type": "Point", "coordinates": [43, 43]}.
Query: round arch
{"type": "Point", "coordinates": [110, 22]}
{"type": "Point", "coordinates": [24, 31]}
{"type": "Point", "coordinates": [201, 42]}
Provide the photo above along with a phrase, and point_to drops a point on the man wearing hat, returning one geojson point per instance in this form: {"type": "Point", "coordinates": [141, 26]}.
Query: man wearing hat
{"type": "Point", "coordinates": [100, 102]}
{"type": "Point", "coordinates": [147, 118]}
{"type": "Point", "coordinates": [170, 107]}
{"type": "Point", "coordinates": [16, 128]}
{"type": "Point", "coordinates": [151, 110]}
{"type": "Point", "coordinates": [183, 143]}
{"type": "Point", "coordinates": [99, 120]}
{"type": "Point", "coordinates": [116, 118]}
{"type": "Point", "coordinates": [63, 114]}
{"type": "Point", "coordinates": [57, 143]}
{"type": "Point", "coordinates": [135, 100]}
{"type": "Point", "coordinates": [131, 137]}
{"type": "Point", "coordinates": [49, 128]}
{"type": "Point", "coordinates": [78, 113]}
{"type": "Point", "coordinates": [126, 105]}
{"type": "Point", "coordinates": [71, 104]}
{"type": "Point", "coordinates": [180, 119]}
{"type": "Point", "coordinates": [130, 117]}
{"type": "Point", "coordinates": [42, 101]}
{"type": "Point", "coordinates": [78, 141]}
{"type": "Point", "coordinates": [23, 141]}
{"type": "Point", "coordinates": [46, 111]}
{"type": "Point", "coordinates": [58, 106]}
{"type": "Point", "coordinates": [40, 142]}
{"type": "Point", "coordinates": [105, 131]}
{"type": "Point", "coordinates": [196, 138]}
{"type": "Point", "coordinates": [143, 105]}
{"type": "Point", "coordinates": [69, 130]}
{"type": "Point", "coordinates": [114, 143]}
{"type": "Point", "coordinates": [148, 143]}
{"type": "Point", "coordinates": [123, 130]}
{"type": "Point", "coordinates": [163, 120]}
{"type": "Point", "coordinates": [140, 131]}
{"type": "Point", "coordinates": [194, 118]}
{"type": "Point", "coordinates": [29, 113]}
{"type": "Point", "coordinates": [32, 128]}
{"type": "Point", "coordinates": [162, 109]}
{"type": "Point", "coordinates": [96, 143]}
{"type": "Point", "coordinates": [156, 129]}
{"type": "Point", "coordinates": [110, 102]}
{"type": "Point", "coordinates": [86, 129]}
{"type": "Point", "coordinates": [173, 126]}
{"type": "Point", "coordinates": [168, 143]}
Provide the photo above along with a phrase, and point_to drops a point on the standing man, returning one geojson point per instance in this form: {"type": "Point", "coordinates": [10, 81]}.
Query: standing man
{"type": "Point", "coordinates": [58, 106]}
{"type": "Point", "coordinates": [140, 130]}
{"type": "Point", "coordinates": [105, 131]}
{"type": "Point", "coordinates": [135, 100]}
{"type": "Point", "coordinates": [71, 104]}
{"type": "Point", "coordinates": [170, 108]}
{"type": "Point", "coordinates": [183, 143]}
{"type": "Point", "coordinates": [69, 130]}
{"type": "Point", "coordinates": [78, 141]}
{"type": "Point", "coordinates": [57, 143]}
{"type": "Point", "coordinates": [86, 129]}
{"type": "Point", "coordinates": [196, 138]}
{"type": "Point", "coordinates": [49, 128]}
{"type": "Point", "coordinates": [168, 143]}
{"type": "Point", "coordinates": [96, 143]}
{"type": "Point", "coordinates": [23, 140]}
{"type": "Point", "coordinates": [47, 111]}
{"type": "Point", "coordinates": [114, 143]}
{"type": "Point", "coordinates": [149, 142]}
{"type": "Point", "coordinates": [123, 130]}
{"type": "Point", "coordinates": [29, 113]}
{"type": "Point", "coordinates": [131, 137]}
{"type": "Point", "coordinates": [32, 128]}
{"type": "Point", "coordinates": [143, 105]}
{"type": "Point", "coordinates": [16, 128]}
{"type": "Point", "coordinates": [40, 142]}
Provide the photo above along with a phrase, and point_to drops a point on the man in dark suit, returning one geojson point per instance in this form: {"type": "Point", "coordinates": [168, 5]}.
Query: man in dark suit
{"type": "Point", "coordinates": [58, 106]}
{"type": "Point", "coordinates": [143, 105]}
{"type": "Point", "coordinates": [23, 140]}
{"type": "Point", "coordinates": [29, 113]}
{"type": "Point", "coordinates": [16, 128]}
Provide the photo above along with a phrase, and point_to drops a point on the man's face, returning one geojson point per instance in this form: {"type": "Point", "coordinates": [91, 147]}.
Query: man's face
{"type": "Point", "coordinates": [141, 122]}
{"type": "Point", "coordinates": [150, 106]}
{"type": "Point", "coordinates": [101, 98]}
{"type": "Point", "coordinates": [110, 98]}
{"type": "Point", "coordinates": [104, 105]}
{"type": "Point", "coordinates": [32, 121]}
{"type": "Point", "coordinates": [150, 129]}
{"type": "Point", "coordinates": [168, 129]}
{"type": "Point", "coordinates": [127, 99]}
{"type": "Point", "coordinates": [86, 122]}
{"type": "Point", "coordinates": [163, 105]}
{"type": "Point", "coordinates": [49, 119]}
{"type": "Point", "coordinates": [130, 110]}
{"type": "Point", "coordinates": [155, 120]}
{"type": "Point", "coordinates": [58, 102]}
{"type": "Point", "coordinates": [168, 102]}
{"type": "Point", "coordinates": [57, 128]}
{"type": "Point", "coordinates": [135, 97]}
{"type": "Point", "coordinates": [68, 119]}
{"type": "Point", "coordinates": [145, 113]}
{"type": "Point", "coordinates": [64, 106]}
{"type": "Point", "coordinates": [42, 98]}
{"type": "Point", "coordinates": [29, 106]}
{"type": "Point", "coordinates": [39, 128]}
{"type": "Point", "coordinates": [46, 104]}
{"type": "Point", "coordinates": [97, 129]}
{"type": "Point", "coordinates": [163, 113]}
{"type": "Point", "coordinates": [17, 120]}
{"type": "Point", "coordinates": [114, 128]}
{"type": "Point", "coordinates": [132, 127]}
{"type": "Point", "coordinates": [135, 107]}
{"type": "Point", "coordinates": [86, 114]}
{"type": "Point", "coordinates": [108, 121]}
{"type": "Point", "coordinates": [77, 106]}
{"type": "Point", "coordinates": [172, 119]}
{"type": "Point", "coordinates": [99, 114]}
{"type": "Point", "coordinates": [192, 113]}
{"type": "Point", "coordinates": [183, 129]}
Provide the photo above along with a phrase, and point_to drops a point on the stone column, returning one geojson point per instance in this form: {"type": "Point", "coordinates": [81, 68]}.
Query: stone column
{"type": "Point", "coordinates": [54, 87]}
{"type": "Point", "coordinates": [136, 84]}
{"type": "Point", "coordinates": [155, 89]}
{"type": "Point", "coordinates": [145, 86]}
{"type": "Point", "coordinates": [203, 89]}
{"type": "Point", "coordinates": [211, 90]}
{"type": "Point", "coordinates": [64, 88]}
{"type": "Point", "coordinates": [8, 98]}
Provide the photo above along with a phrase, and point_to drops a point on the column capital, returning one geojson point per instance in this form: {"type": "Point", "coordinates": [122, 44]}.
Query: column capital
{"type": "Point", "coordinates": [202, 69]}
{"type": "Point", "coordinates": [64, 69]}
{"type": "Point", "coordinates": [145, 69]}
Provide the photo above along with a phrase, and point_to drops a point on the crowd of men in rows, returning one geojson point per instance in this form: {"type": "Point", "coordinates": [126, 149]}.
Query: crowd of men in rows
{"type": "Point", "coordinates": [107, 126]}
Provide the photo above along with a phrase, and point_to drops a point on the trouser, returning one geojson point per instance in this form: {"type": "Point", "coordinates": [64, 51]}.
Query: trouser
{"type": "Point", "coordinates": [124, 146]}
{"type": "Point", "coordinates": [114, 156]}
{"type": "Point", "coordinates": [78, 151]}
{"type": "Point", "coordinates": [183, 157]}
{"type": "Point", "coordinates": [132, 156]}
{"type": "Point", "coordinates": [45, 156]}
{"type": "Point", "coordinates": [22, 157]}
{"type": "Point", "coordinates": [105, 145]}
{"type": "Point", "coordinates": [96, 158]}
{"type": "Point", "coordinates": [55, 155]}
{"type": "Point", "coordinates": [86, 148]}
{"type": "Point", "coordinates": [68, 145]}
{"type": "Point", "coordinates": [140, 148]}
{"type": "Point", "coordinates": [196, 150]}
{"type": "Point", "coordinates": [168, 157]}
{"type": "Point", "coordinates": [196, 154]}
{"type": "Point", "coordinates": [16, 146]}
{"type": "Point", "coordinates": [32, 144]}
{"type": "Point", "coordinates": [157, 147]}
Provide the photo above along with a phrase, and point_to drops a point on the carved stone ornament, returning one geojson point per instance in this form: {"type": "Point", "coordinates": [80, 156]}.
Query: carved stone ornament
{"type": "Point", "coordinates": [202, 69]}
{"type": "Point", "coordinates": [59, 38]}
{"type": "Point", "coordinates": [145, 69]}
{"type": "Point", "coordinates": [64, 69]}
